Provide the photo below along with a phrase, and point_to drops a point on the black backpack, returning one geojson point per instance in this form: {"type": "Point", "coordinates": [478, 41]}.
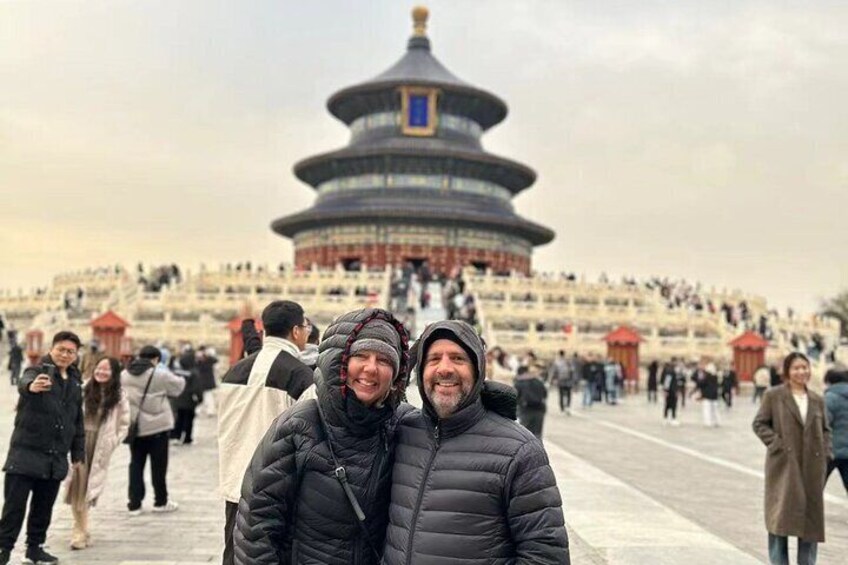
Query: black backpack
{"type": "Point", "coordinates": [531, 393]}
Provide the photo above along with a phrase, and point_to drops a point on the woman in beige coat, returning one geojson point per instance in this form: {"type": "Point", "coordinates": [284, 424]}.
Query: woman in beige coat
{"type": "Point", "coordinates": [107, 419]}
{"type": "Point", "coordinates": [792, 424]}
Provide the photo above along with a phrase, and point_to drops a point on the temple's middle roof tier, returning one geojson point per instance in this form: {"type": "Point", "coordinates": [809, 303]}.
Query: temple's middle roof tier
{"type": "Point", "coordinates": [403, 155]}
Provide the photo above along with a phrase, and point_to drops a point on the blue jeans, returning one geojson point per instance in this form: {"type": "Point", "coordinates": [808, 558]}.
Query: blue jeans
{"type": "Point", "coordinates": [779, 551]}
{"type": "Point", "coordinates": [588, 393]}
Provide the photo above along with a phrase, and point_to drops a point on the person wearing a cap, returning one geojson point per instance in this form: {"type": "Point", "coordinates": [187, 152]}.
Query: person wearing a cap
{"type": "Point", "coordinates": [469, 485]}
{"type": "Point", "coordinates": [317, 488]}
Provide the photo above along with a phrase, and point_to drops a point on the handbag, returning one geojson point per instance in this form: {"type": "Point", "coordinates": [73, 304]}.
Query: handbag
{"type": "Point", "coordinates": [341, 475]}
{"type": "Point", "coordinates": [132, 432]}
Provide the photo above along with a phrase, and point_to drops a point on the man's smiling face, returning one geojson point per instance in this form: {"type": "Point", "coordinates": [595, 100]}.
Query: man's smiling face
{"type": "Point", "coordinates": [448, 376]}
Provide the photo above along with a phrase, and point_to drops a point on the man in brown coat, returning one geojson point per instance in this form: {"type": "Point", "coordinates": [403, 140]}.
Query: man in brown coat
{"type": "Point", "coordinates": [792, 424]}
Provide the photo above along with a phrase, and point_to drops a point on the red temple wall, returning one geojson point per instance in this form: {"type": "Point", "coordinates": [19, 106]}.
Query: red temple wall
{"type": "Point", "coordinates": [440, 258]}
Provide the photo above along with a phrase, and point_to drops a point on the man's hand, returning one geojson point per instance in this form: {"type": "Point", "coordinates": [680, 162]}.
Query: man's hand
{"type": "Point", "coordinates": [40, 384]}
{"type": "Point", "coordinates": [76, 465]}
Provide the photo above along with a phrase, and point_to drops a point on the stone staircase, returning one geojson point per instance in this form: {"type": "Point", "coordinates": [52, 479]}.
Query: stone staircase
{"type": "Point", "coordinates": [434, 312]}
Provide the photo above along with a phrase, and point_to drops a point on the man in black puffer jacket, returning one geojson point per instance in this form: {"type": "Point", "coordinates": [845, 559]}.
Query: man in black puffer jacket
{"type": "Point", "coordinates": [294, 508]}
{"type": "Point", "coordinates": [469, 486]}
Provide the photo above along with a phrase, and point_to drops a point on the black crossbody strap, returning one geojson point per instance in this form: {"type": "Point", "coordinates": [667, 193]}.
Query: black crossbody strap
{"type": "Point", "coordinates": [341, 475]}
{"type": "Point", "coordinates": [143, 396]}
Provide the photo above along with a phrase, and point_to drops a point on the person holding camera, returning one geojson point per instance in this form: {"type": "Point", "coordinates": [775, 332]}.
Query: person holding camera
{"type": "Point", "coordinates": [48, 424]}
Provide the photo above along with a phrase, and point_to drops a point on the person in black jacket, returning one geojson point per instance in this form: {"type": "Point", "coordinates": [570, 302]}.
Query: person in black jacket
{"type": "Point", "coordinates": [16, 360]}
{"type": "Point", "coordinates": [186, 403]}
{"type": "Point", "coordinates": [532, 400]}
{"type": "Point", "coordinates": [653, 373]}
{"type": "Point", "coordinates": [469, 485]}
{"type": "Point", "coordinates": [707, 385]}
{"type": "Point", "coordinates": [670, 385]}
{"type": "Point", "coordinates": [317, 488]}
{"type": "Point", "coordinates": [48, 424]}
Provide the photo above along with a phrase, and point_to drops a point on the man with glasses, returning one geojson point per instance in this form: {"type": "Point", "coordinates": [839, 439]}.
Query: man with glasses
{"type": "Point", "coordinates": [253, 393]}
{"type": "Point", "coordinates": [48, 424]}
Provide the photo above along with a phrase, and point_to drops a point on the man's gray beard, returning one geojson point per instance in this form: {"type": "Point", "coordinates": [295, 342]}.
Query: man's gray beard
{"type": "Point", "coordinates": [445, 411]}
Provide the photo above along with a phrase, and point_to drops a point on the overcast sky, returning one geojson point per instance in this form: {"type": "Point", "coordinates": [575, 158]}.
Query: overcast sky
{"type": "Point", "coordinates": [707, 140]}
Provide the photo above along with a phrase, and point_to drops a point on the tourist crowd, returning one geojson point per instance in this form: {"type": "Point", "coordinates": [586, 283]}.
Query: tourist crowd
{"type": "Point", "coordinates": [321, 460]}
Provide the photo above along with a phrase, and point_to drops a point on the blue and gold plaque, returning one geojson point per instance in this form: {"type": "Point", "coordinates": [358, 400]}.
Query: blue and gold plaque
{"type": "Point", "coordinates": [418, 109]}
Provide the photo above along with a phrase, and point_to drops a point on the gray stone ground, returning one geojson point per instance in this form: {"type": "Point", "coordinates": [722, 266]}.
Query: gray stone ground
{"type": "Point", "coordinates": [635, 492]}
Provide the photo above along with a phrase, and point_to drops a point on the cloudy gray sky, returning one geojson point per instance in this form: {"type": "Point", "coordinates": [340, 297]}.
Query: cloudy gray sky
{"type": "Point", "coordinates": [687, 138]}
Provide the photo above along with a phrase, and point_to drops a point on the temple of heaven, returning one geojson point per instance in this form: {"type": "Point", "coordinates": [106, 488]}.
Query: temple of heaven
{"type": "Point", "coordinates": [414, 183]}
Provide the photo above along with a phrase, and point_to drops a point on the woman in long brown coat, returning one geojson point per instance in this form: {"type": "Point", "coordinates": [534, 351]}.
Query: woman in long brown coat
{"type": "Point", "coordinates": [792, 424]}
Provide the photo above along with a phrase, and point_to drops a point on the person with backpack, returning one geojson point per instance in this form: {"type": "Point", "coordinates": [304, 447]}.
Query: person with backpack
{"type": "Point", "coordinates": [532, 397]}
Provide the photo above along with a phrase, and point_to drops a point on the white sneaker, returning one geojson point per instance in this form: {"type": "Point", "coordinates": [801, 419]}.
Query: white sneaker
{"type": "Point", "coordinates": [675, 423]}
{"type": "Point", "coordinates": [171, 506]}
{"type": "Point", "coordinates": [137, 512]}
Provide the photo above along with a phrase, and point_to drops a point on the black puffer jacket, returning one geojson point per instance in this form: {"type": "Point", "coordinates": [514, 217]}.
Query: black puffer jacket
{"type": "Point", "coordinates": [48, 425]}
{"type": "Point", "coordinates": [474, 488]}
{"type": "Point", "coordinates": [293, 509]}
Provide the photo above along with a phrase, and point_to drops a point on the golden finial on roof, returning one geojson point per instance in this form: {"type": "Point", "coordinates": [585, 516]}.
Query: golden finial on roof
{"type": "Point", "coordinates": [419, 19]}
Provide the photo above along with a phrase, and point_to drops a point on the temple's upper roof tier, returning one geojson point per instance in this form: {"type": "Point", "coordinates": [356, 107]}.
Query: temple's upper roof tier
{"type": "Point", "coordinates": [417, 67]}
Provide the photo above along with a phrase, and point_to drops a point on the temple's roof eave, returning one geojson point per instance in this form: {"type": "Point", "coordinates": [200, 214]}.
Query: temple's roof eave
{"type": "Point", "coordinates": [289, 226]}
{"type": "Point", "coordinates": [349, 103]}
{"type": "Point", "coordinates": [325, 166]}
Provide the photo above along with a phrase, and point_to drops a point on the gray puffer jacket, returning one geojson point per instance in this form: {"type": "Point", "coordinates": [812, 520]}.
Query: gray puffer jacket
{"type": "Point", "coordinates": [475, 488]}
{"type": "Point", "coordinates": [293, 509]}
{"type": "Point", "coordinates": [156, 415]}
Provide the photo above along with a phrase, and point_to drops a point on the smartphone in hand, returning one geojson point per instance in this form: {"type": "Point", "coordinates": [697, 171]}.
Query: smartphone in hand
{"type": "Point", "coordinates": [42, 382]}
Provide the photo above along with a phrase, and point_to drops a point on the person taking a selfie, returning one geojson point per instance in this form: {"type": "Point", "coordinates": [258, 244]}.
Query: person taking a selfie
{"type": "Point", "coordinates": [48, 424]}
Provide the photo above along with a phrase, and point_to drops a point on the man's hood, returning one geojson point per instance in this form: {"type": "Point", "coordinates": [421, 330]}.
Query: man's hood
{"type": "Point", "coordinates": [465, 334]}
{"type": "Point", "coordinates": [138, 367]}
{"type": "Point", "coordinates": [309, 356]}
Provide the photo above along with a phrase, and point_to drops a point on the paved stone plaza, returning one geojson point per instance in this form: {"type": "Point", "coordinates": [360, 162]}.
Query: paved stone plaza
{"type": "Point", "coordinates": [635, 491]}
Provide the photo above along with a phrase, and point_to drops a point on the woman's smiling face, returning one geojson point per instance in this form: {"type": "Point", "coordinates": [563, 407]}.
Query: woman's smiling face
{"type": "Point", "coordinates": [369, 376]}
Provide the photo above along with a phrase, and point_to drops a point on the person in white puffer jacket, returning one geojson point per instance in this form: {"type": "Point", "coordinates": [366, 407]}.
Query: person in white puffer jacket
{"type": "Point", "coordinates": [155, 418]}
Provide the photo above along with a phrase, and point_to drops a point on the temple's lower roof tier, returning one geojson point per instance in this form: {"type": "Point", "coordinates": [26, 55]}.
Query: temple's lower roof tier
{"type": "Point", "coordinates": [389, 213]}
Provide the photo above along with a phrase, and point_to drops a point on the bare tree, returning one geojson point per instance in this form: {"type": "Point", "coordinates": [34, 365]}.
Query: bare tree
{"type": "Point", "coordinates": [837, 307]}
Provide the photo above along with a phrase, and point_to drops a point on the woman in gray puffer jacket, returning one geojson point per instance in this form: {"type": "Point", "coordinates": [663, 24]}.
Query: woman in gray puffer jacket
{"type": "Point", "coordinates": [295, 507]}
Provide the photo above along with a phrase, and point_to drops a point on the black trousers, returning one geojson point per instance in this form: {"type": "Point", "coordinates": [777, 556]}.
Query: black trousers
{"type": "Point", "coordinates": [564, 397]}
{"type": "Point", "coordinates": [727, 396]}
{"type": "Point", "coordinates": [532, 419]}
{"type": "Point", "coordinates": [155, 447]}
{"type": "Point", "coordinates": [15, 375]}
{"type": "Point", "coordinates": [842, 465]}
{"type": "Point", "coordinates": [670, 406]}
{"type": "Point", "coordinates": [183, 425]}
{"type": "Point", "coordinates": [17, 489]}
{"type": "Point", "coordinates": [229, 525]}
